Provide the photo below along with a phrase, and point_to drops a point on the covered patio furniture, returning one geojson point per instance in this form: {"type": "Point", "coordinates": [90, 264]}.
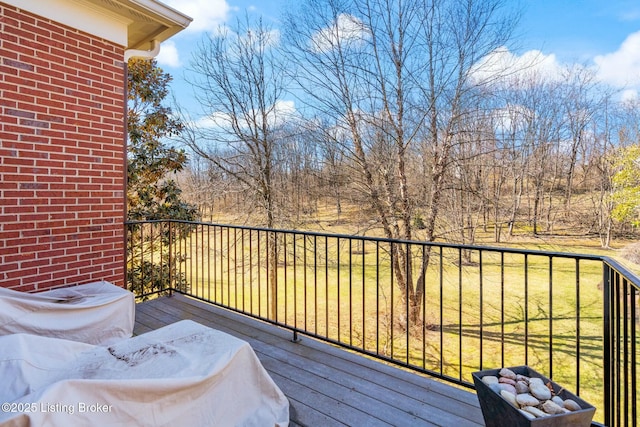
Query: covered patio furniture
{"type": "Point", "coordinates": [94, 313]}
{"type": "Point", "coordinates": [184, 374]}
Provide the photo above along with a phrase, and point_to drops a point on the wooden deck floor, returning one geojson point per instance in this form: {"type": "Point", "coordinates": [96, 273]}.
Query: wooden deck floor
{"type": "Point", "coordinates": [325, 385]}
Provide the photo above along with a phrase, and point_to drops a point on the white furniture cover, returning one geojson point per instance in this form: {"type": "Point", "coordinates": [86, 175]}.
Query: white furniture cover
{"type": "Point", "coordinates": [184, 374]}
{"type": "Point", "coordinates": [95, 313]}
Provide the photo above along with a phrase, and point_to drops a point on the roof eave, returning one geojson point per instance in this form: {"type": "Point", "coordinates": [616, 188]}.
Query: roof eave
{"type": "Point", "coordinates": [150, 20]}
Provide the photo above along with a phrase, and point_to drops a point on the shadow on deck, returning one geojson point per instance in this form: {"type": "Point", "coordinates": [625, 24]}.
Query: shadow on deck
{"type": "Point", "coordinates": [326, 385]}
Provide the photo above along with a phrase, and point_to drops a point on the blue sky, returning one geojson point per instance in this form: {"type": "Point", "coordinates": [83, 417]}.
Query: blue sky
{"type": "Point", "coordinates": [579, 29]}
{"type": "Point", "coordinates": [604, 34]}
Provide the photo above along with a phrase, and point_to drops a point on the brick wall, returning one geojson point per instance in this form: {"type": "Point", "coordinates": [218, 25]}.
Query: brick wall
{"type": "Point", "coordinates": [61, 155]}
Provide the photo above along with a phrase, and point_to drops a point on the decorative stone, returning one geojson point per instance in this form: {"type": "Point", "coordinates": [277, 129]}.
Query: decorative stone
{"type": "Point", "coordinates": [506, 380]}
{"type": "Point", "coordinates": [527, 400]}
{"type": "Point", "coordinates": [571, 405]}
{"type": "Point", "coordinates": [550, 407]}
{"type": "Point", "coordinates": [535, 381]}
{"type": "Point", "coordinates": [507, 373]}
{"type": "Point", "coordinates": [522, 387]}
{"type": "Point", "coordinates": [490, 379]}
{"type": "Point", "coordinates": [508, 387]}
{"type": "Point", "coordinates": [541, 392]}
{"type": "Point", "coordinates": [535, 411]}
{"type": "Point", "coordinates": [511, 398]}
{"type": "Point", "coordinates": [529, 415]}
{"type": "Point", "coordinates": [495, 387]}
{"type": "Point", "coordinates": [535, 397]}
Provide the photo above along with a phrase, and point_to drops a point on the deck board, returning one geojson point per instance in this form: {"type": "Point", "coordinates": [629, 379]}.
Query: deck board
{"type": "Point", "coordinates": [327, 385]}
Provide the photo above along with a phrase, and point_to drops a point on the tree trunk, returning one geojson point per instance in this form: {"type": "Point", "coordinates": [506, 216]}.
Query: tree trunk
{"type": "Point", "coordinates": [517, 198]}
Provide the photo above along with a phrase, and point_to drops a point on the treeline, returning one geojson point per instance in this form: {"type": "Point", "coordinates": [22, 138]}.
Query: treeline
{"type": "Point", "coordinates": [412, 113]}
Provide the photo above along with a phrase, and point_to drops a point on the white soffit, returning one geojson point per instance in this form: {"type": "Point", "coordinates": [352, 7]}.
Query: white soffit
{"type": "Point", "coordinates": [133, 24]}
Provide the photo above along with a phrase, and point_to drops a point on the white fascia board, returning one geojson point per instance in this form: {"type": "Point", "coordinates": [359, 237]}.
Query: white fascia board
{"type": "Point", "coordinates": [162, 10]}
{"type": "Point", "coordinates": [80, 15]}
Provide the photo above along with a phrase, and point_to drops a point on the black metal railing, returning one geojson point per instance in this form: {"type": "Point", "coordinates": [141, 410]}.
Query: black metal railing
{"type": "Point", "coordinates": [442, 309]}
{"type": "Point", "coordinates": [621, 320]}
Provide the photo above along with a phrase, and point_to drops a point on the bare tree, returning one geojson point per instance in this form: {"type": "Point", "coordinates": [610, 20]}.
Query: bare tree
{"type": "Point", "coordinates": [239, 83]}
{"type": "Point", "coordinates": [391, 75]}
{"type": "Point", "coordinates": [582, 99]}
{"type": "Point", "coordinates": [603, 203]}
{"type": "Point", "coordinates": [469, 193]}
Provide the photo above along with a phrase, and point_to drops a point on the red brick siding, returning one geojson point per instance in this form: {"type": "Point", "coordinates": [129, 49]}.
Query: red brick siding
{"type": "Point", "coordinates": [61, 155]}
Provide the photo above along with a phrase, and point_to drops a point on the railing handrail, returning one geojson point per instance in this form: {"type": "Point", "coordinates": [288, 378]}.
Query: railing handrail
{"type": "Point", "coordinates": [559, 254]}
{"type": "Point", "coordinates": [631, 276]}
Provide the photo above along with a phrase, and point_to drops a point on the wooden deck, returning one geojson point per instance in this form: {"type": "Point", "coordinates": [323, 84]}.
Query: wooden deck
{"type": "Point", "coordinates": [326, 385]}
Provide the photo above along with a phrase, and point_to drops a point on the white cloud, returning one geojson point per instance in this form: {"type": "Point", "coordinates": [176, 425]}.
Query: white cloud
{"type": "Point", "coordinates": [206, 14]}
{"type": "Point", "coordinates": [619, 69]}
{"type": "Point", "coordinates": [280, 113]}
{"type": "Point", "coordinates": [169, 54]}
{"type": "Point", "coordinates": [283, 112]}
{"type": "Point", "coordinates": [501, 65]}
{"type": "Point", "coordinates": [511, 118]}
{"type": "Point", "coordinates": [215, 120]}
{"type": "Point", "coordinates": [622, 67]}
{"type": "Point", "coordinates": [629, 95]}
{"type": "Point", "coordinates": [346, 29]}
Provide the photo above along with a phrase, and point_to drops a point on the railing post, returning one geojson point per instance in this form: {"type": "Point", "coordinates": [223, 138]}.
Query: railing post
{"type": "Point", "coordinates": [608, 351]}
{"type": "Point", "coordinates": [171, 258]}
{"type": "Point", "coordinates": [127, 252]}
